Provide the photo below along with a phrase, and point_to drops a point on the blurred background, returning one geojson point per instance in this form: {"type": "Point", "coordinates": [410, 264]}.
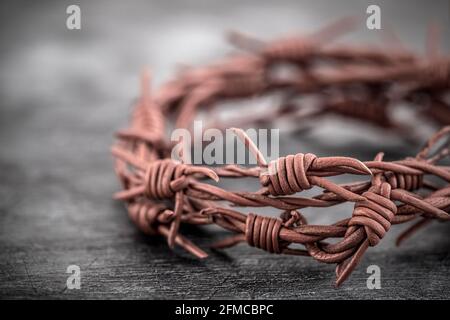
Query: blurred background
{"type": "Point", "coordinates": [64, 92]}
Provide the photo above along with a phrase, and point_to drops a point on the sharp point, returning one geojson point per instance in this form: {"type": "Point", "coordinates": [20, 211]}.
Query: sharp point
{"type": "Point", "coordinates": [114, 150]}
{"type": "Point", "coordinates": [365, 168]}
{"type": "Point", "coordinates": [213, 175]}
{"type": "Point", "coordinates": [338, 282]}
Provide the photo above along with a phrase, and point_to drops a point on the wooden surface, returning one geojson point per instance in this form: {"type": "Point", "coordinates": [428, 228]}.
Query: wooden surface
{"type": "Point", "coordinates": [62, 96]}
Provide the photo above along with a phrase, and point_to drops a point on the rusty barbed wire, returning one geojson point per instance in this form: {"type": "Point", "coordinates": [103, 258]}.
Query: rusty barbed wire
{"type": "Point", "coordinates": [357, 82]}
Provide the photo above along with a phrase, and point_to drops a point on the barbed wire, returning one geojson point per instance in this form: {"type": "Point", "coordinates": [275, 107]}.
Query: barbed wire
{"type": "Point", "coordinates": [362, 83]}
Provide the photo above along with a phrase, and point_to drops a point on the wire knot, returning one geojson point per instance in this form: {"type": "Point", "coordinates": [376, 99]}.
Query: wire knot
{"type": "Point", "coordinates": [147, 215]}
{"type": "Point", "coordinates": [164, 178]}
{"type": "Point", "coordinates": [409, 182]}
{"type": "Point", "coordinates": [263, 232]}
{"type": "Point", "coordinates": [288, 175]}
{"type": "Point", "coordinates": [375, 213]}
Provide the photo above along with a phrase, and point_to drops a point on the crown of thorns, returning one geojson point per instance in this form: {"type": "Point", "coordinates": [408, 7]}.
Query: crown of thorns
{"type": "Point", "coordinates": [364, 83]}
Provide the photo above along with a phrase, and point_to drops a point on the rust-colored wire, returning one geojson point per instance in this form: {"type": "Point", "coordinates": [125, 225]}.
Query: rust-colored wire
{"type": "Point", "coordinates": [352, 81]}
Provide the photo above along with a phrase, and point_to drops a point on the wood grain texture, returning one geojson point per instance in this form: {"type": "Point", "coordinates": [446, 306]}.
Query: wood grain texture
{"type": "Point", "coordinates": [62, 96]}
